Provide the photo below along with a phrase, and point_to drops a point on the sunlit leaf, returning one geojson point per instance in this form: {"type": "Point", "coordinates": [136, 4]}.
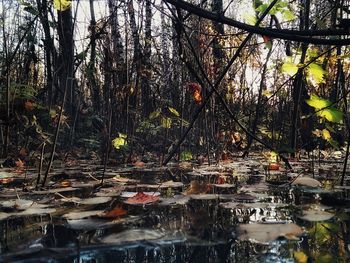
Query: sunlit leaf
{"type": "Point", "coordinates": [174, 111]}
{"type": "Point", "coordinates": [62, 5]}
{"type": "Point", "coordinates": [326, 134]}
{"type": "Point", "coordinates": [116, 212]}
{"type": "Point", "coordinates": [316, 72]}
{"type": "Point", "coordinates": [317, 102]}
{"type": "Point", "coordinates": [119, 141]}
{"type": "Point", "coordinates": [186, 156]}
{"type": "Point", "coordinates": [289, 68]}
{"type": "Point", "coordinates": [154, 114]}
{"type": "Point", "coordinates": [166, 122]}
{"type": "Point", "coordinates": [288, 15]}
{"type": "Point", "coordinates": [300, 256]}
{"type": "Point", "coordinates": [249, 19]}
{"type": "Point", "coordinates": [142, 199]}
{"type": "Point", "coordinates": [332, 115]}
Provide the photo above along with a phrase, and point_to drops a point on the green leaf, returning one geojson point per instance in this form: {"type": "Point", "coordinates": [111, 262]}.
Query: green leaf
{"type": "Point", "coordinates": [173, 111]}
{"type": "Point", "coordinates": [119, 141]}
{"type": "Point", "coordinates": [326, 134]}
{"type": "Point", "coordinates": [289, 68]}
{"type": "Point", "coordinates": [81, 55]}
{"type": "Point", "coordinates": [261, 8]}
{"type": "Point", "coordinates": [62, 5]}
{"type": "Point", "coordinates": [30, 9]}
{"type": "Point", "coordinates": [316, 72]}
{"type": "Point", "coordinates": [249, 19]}
{"type": "Point", "coordinates": [331, 114]}
{"type": "Point", "coordinates": [317, 102]}
{"type": "Point", "coordinates": [154, 114]}
{"type": "Point", "coordinates": [186, 156]}
{"type": "Point", "coordinates": [166, 122]}
{"type": "Point", "coordinates": [288, 15]}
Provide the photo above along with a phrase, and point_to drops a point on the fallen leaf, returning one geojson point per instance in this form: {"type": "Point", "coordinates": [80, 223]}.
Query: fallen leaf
{"type": "Point", "coordinates": [19, 163]}
{"type": "Point", "coordinates": [132, 235]}
{"type": "Point", "coordinates": [273, 167]}
{"type": "Point", "coordinates": [116, 212]}
{"type": "Point", "coordinates": [306, 181]}
{"type": "Point", "coordinates": [81, 214]}
{"type": "Point", "coordinates": [28, 105]}
{"type": "Point", "coordinates": [265, 233]}
{"type": "Point", "coordinates": [315, 215]}
{"type": "Point", "coordinates": [197, 187]}
{"type": "Point", "coordinates": [65, 183]}
{"type": "Point", "coordinates": [142, 199]}
{"type": "Point", "coordinates": [139, 164]}
{"type": "Point", "coordinates": [23, 152]}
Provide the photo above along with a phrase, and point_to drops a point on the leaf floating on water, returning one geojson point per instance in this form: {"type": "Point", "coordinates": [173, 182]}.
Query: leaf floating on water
{"type": "Point", "coordinates": [4, 215]}
{"type": "Point", "coordinates": [142, 199]}
{"type": "Point", "coordinates": [81, 214]}
{"type": "Point", "coordinates": [95, 200]}
{"type": "Point", "coordinates": [307, 181]}
{"type": "Point", "coordinates": [171, 184]}
{"type": "Point", "coordinates": [316, 215]}
{"type": "Point", "coordinates": [124, 180]}
{"type": "Point", "coordinates": [204, 197]}
{"type": "Point", "coordinates": [116, 212]}
{"type": "Point", "coordinates": [264, 233]}
{"type": "Point", "coordinates": [92, 223]}
{"type": "Point", "coordinates": [176, 200]}
{"type": "Point", "coordinates": [197, 187]}
{"type": "Point", "coordinates": [131, 194]}
{"type": "Point", "coordinates": [36, 209]}
{"type": "Point", "coordinates": [132, 236]}
{"type": "Point", "coordinates": [18, 204]}
{"type": "Point", "coordinates": [110, 191]}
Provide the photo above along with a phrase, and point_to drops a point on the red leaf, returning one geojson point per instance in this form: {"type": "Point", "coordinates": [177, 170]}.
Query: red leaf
{"type": "Point", "coordinates": [196, 90]}
{"type": "Point", "coordinates": [142, 199]}
{"type": "Point", "coordinates": [273, 167]}
{"type": "Point", "coordinates": [28, 105]}
{"type": "Point", "coordinates": [19, 163]}
{"type": "Point", "coordinates": [116, 212]}
{"type": "Point", "coordinates": [266, 39]}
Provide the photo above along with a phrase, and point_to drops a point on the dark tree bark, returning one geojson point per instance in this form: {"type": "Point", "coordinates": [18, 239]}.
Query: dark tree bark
{"type": "Point", "coordinates": [146, 62]}
{"type": "Point", "coordinates": [299, 86]}
{"type": "Point", "coordinates": [66, 57]}
{"type": "Point", "coordinates": [91, 69]}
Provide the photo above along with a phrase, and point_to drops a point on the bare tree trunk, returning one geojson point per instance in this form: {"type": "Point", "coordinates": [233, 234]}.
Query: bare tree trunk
{"type": "Point", "coordinates": [91, 74]}
{"type": "Point", "coordinates": [146, 62]}
{"type": "Point", "coordinates": [299, 89]}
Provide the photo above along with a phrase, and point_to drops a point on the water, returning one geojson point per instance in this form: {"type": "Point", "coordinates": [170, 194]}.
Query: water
{"type": "Point", "coordinates": [203, 226]}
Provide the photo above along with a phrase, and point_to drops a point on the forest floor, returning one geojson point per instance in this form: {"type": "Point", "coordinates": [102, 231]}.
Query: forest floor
{"type": "Point", "coordinates": [240, 210]}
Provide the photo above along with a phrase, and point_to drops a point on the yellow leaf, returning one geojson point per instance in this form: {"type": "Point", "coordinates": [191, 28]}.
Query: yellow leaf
{"type": "Point", "coordinates": [62, 5]}
{"type": "Point", "coordinates": [119, 141]}
{"type": "Point", "coordinates": [300, 257]}
{"type": "Point", "coordinates": [326, 134]}
{"type": "Point", "coordinates": [289, 68]}
{"type": "Point", "coordinates": [174, 111]}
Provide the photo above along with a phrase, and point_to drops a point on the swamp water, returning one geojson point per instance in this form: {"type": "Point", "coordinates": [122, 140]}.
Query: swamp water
{"type": "Point", "coordinates": [223, 213]}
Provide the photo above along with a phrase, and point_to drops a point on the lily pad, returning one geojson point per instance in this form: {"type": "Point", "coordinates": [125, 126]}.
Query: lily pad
{"type": "Point", "coordinates": [265, 233]}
